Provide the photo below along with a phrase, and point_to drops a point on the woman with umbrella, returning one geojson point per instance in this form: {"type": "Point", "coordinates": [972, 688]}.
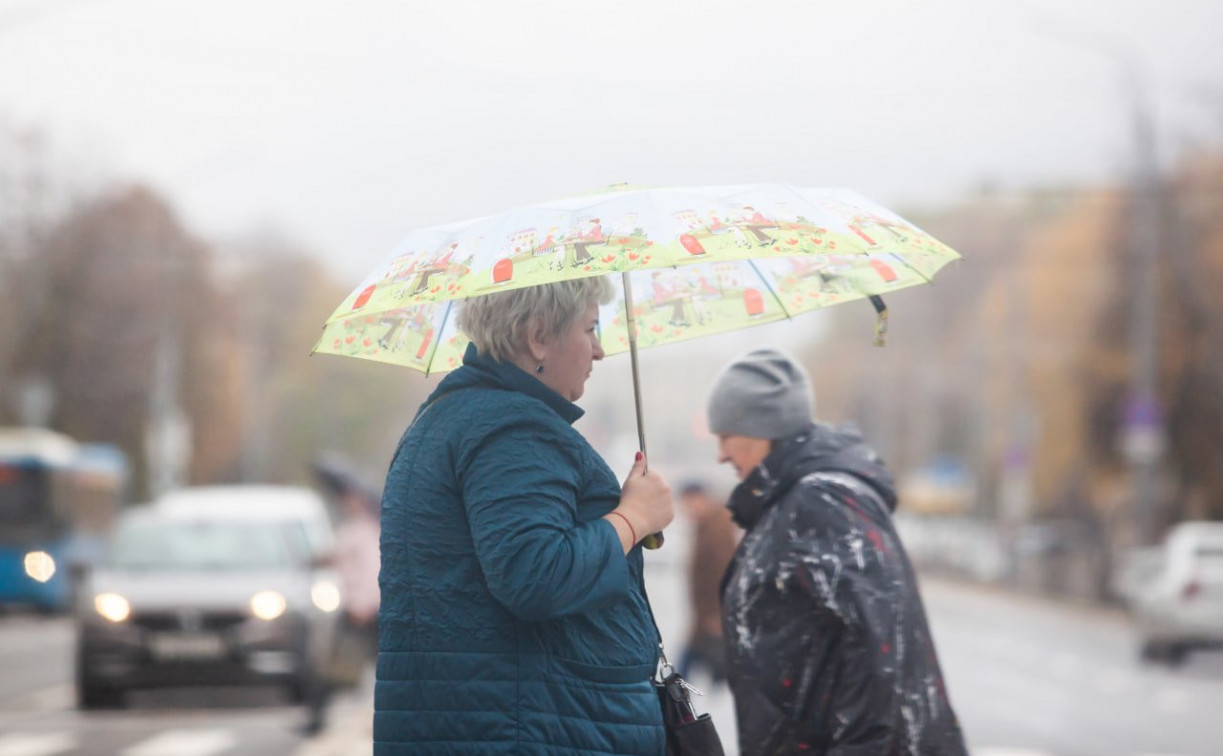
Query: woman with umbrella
{"type": "Point", "coordinates": [514, 616]}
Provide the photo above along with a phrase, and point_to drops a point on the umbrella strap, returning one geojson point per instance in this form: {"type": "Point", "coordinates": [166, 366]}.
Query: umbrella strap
{"type": "Point", "coordinates": [881, 320]}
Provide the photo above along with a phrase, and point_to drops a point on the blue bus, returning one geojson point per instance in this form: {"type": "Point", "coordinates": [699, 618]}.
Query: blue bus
{"type": "Point", "coordinates": [58, 501]}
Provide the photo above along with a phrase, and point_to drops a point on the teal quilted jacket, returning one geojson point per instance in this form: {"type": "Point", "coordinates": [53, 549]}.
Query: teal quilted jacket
{"type": "Point", "coordinates": [511, 621]}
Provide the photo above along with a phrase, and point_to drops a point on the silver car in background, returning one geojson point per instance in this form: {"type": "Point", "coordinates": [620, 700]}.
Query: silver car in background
{"type": "Point", "coordinates": [1175, 592]}
{"type": "Point", "coordinates": [299, 509]}
{"type": "Point", "coordinates": [189, 595]}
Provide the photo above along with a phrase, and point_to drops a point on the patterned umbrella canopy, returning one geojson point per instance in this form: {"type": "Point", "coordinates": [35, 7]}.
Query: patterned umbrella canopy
{"type": "Point", "coordinates": [693, 261]}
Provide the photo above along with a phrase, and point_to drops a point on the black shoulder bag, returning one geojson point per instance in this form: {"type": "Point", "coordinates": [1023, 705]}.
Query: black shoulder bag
{"type": "Point", "coordinates": [688, 734]}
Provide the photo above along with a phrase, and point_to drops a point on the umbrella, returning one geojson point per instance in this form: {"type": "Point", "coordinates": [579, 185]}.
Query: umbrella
{"type": "Point", "coordinates": [689, 262]}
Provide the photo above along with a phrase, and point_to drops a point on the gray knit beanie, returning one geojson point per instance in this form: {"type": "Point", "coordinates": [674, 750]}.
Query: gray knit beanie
{"type": "Point", "coordinates": [763, 394]}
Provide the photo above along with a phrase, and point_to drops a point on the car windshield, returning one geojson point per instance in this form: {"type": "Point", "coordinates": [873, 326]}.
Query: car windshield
{"type": "Point", "coordinates": [200, 545]}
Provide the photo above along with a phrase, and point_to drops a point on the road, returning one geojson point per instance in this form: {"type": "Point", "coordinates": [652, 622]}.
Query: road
{"type": "Point", "coordinates": [38, 718]}
{"type": "Point", "coordinates": [1032, 674]}
{"type": "Point", "coordinates": [1029, 677]}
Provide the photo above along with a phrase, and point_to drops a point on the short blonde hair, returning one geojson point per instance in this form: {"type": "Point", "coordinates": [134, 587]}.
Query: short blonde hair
{"type": "Point", "coordinates": [498, 323]}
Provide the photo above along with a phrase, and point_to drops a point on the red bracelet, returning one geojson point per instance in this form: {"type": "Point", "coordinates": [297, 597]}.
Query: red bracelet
{"type": "Point", "coordinates": [631, 530]}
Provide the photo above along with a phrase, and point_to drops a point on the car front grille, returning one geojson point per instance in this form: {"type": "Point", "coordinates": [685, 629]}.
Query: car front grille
{"type": "Point", "coordinates": [193, 620]}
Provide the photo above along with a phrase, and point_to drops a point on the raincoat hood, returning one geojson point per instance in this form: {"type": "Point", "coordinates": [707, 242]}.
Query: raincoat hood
{"type": "Point", "coordinates": [818, 448]}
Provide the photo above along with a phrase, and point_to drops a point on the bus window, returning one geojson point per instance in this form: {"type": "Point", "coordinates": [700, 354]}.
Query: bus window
{"type": "Point", "coordinates": [23, 490]}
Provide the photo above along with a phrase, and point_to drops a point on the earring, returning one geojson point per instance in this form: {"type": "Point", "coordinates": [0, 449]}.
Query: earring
{"type": "Point", "coordinates": [539, 368]}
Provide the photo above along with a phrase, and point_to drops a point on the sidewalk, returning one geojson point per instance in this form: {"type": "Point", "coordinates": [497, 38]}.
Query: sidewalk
{"type": "Point", "coordinates": [350, 724]}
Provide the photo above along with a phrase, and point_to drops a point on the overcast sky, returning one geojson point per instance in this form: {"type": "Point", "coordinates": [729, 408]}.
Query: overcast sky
{"type": "Point", "coordinates": [347, 123]}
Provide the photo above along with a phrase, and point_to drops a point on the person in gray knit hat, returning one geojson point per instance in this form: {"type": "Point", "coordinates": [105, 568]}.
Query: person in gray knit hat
{"type": "Point", "coordinates": [827, 646]}
{"type": "Point", "coordinates": [764, 393]}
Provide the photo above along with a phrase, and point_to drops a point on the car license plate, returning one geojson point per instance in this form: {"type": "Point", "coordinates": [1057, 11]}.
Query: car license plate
{"type": "Point", "coordinates": [182, 646]}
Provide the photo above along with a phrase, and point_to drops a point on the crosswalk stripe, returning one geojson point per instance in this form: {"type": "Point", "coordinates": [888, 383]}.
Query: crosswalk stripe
{"type": "Point", "coordinates": [34, 744]}
{"type": "Point", "coordinates": [1172, 700]}
{"type": "Point", "coordinates": [55, 698]}
{"type": "Point", "coordinates": [183, 743]}
{"type": "Point", "coordinates": [1030, 752]}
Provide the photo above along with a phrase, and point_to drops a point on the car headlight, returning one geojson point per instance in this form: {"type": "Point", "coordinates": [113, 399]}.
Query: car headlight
{"type": "Point", "coordinates": [268, 605]}
{"type": "Point", "coordinates": [325, 595]}
{"type": "Point", "coordinates": [39, 565]}
{"type": "Point", "coordinates": [112, 606]}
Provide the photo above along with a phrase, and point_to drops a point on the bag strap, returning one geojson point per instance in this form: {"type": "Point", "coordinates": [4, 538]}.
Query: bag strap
{"type": "Point", "coordinates": [662, 651]}
{"type": "Point", "coordinates": [665, 674]}
{"type": "Point", "coordinates": [664, 670]}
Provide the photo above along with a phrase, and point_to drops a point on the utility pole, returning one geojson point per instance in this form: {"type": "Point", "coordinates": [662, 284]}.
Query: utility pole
{"type": "Point", "coordinates": [168, 433]}
{"type": "Point", "coordinates": [1142, 428]}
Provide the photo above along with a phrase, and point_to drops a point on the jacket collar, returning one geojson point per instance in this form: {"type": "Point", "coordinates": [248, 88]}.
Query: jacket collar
{"type": "Point", "coordinates": [481, 371]}
{"type": "Point", "coordinates": [818, 447]}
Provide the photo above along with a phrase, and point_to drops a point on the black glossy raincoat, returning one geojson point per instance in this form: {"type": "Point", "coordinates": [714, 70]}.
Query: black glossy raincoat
{"type": "Point", "coordinates": [829, 650]}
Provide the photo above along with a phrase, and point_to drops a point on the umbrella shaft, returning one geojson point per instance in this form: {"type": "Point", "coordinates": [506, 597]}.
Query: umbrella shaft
{"type": "Point", "coordinates": [631, 320]}
{"type": "Point", "coordinates": [653, 540]}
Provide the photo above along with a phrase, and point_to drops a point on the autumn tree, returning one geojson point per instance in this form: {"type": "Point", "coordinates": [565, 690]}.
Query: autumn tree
{"type": "Point", "coordinates": [1018, 362]}
{"type": "Point", "coordinates": [1190, 355]}
{"type": "Point", "coordinates": [125, 284]}
{"type": "Point", "coordinates": [297, 406]}
{"type": "Point", "coordinates": [32, 196]}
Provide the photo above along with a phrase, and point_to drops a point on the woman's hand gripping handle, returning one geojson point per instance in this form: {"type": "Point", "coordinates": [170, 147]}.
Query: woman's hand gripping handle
{"type": "Point", "coordinates": [645, 507]}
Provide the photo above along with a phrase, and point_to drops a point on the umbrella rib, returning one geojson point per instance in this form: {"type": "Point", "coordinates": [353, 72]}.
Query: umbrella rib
{"type": "Point", "coordinates": [769, 286]}
{"type": "Point", "coordinates": [654, 215]}
{"type": "Point", "coordinates": [915, 270]}
{"type": "Point", "coordinates": [441, 330]}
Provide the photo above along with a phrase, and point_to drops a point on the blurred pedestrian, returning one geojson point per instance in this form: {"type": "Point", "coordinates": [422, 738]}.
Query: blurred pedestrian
{"type": "Point", "coordinates": [355, 560]}
{"type": "Point", "coordinates": [514, 617]}
{"type": "Point", "coordinates": [828, 647]}
{"type": "Point", "coordinates": [714, 537]}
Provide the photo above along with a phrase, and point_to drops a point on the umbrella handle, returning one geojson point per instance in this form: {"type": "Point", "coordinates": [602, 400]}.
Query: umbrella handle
{"type": "Point", "coordinates": [653, 540]}
{"type": "Point", "coordinates": [881, 320]}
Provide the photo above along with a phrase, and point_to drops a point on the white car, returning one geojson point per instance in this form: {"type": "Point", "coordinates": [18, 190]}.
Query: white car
{"type": "Point", "coordinates": [1178, 602]}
